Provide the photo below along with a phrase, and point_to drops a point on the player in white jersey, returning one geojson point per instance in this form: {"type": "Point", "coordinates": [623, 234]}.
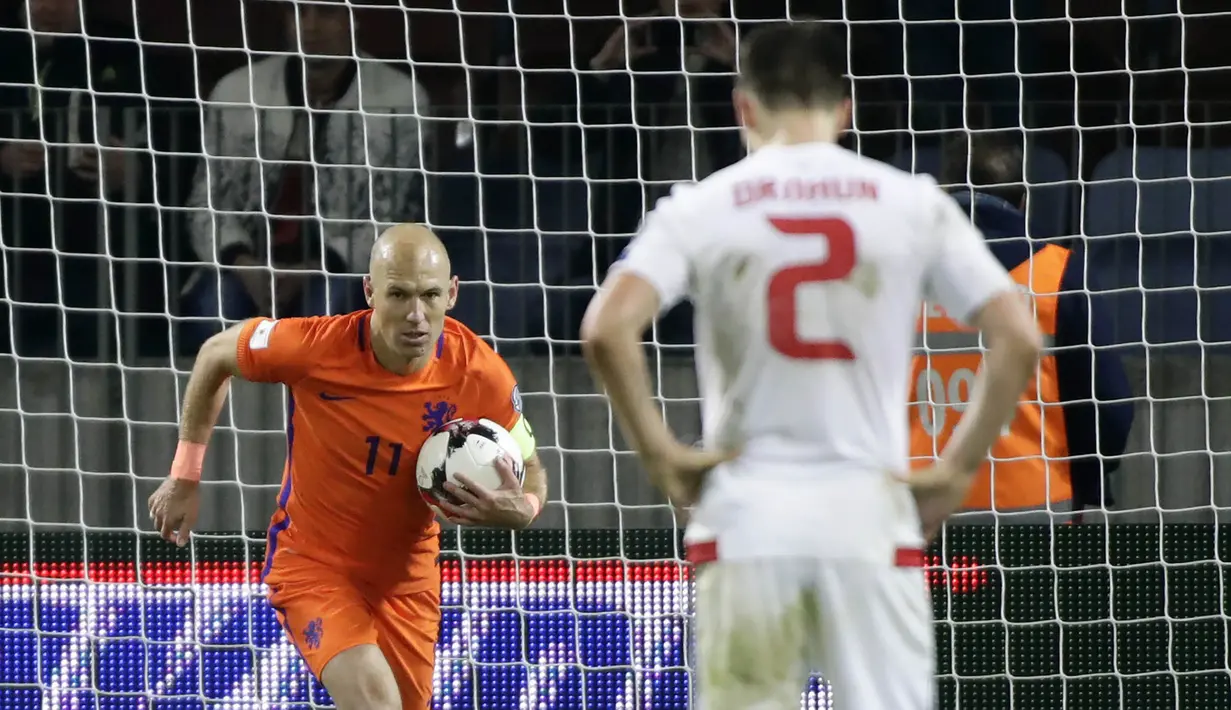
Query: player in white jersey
{"type": "Point", "coordinates": [807, 265]}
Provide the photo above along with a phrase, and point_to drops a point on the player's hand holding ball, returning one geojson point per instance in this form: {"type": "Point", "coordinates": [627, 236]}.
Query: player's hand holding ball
{"type": "Point", "coordinates": [470, 472]}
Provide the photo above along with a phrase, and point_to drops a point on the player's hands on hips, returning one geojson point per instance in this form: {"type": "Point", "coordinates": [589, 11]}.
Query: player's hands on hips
{"type": "Point", "coordinates": [174, 507]}
{"type": "Point", "coordinates": [679, 471]}
{"type": "Point", "coordinates": [939, 491]}
{"type": "Point", "coordinates": [505, 507]}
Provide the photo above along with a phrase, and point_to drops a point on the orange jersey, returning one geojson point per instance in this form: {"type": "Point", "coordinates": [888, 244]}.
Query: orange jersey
{"type": "Point", "coordinates": [349, 498]}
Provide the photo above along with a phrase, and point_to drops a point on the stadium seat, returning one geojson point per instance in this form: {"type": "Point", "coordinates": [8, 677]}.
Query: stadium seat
{"type": "Point", "coordinates": [1162, 222]}
{"type": "Point", "coordinates": [1046, 173]}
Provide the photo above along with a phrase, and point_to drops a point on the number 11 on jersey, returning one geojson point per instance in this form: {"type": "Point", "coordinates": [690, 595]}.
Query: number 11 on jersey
{"type": "Point", "coordinates": [395, 454]}
{"type": "Point", "coordinates": [784, 285]}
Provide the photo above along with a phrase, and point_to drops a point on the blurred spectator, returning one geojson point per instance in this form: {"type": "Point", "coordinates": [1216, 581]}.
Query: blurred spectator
{"type": "Point", "coordinates": [672, 69]}
{"type": "Point", "coordinates": [1044, 463]}
{"type": "Point", "coordinates": [69, 109]}
{"type": "Point", "coordinates": [301, 191]}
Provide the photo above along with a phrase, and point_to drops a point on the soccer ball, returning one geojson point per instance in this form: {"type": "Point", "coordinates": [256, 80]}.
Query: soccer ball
{"type": "Point", "coordinates": [469, 447]}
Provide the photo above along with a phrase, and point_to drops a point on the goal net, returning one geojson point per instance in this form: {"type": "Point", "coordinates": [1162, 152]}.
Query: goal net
{"type": "Point", "coordinates": [527, 143]}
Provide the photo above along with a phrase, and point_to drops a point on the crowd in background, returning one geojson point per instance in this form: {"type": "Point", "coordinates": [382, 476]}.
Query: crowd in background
{"type": "Point", "coordinates": [535, 163]}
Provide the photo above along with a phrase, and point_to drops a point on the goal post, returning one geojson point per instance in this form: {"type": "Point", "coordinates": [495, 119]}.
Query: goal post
{"type": "Point", "coordinates": [534, 173]}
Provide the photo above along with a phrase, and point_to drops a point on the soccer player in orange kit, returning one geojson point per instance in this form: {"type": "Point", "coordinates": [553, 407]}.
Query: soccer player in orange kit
{"type": "Point", "coordinates": [351, 555]}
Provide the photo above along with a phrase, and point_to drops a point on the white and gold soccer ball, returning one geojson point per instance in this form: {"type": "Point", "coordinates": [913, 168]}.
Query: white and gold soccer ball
{"type": "Point", "coordinates": [469, 447]}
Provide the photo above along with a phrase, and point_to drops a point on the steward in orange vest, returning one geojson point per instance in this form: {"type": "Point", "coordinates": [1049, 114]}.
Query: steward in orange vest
{"type": "Point", "coordinates": [1075, 416]}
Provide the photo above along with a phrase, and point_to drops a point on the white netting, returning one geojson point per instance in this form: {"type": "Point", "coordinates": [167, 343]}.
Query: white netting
{"type": "Point", "coordinates": [513, 137]}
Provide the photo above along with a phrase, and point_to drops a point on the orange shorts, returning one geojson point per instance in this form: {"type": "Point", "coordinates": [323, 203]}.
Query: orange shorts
{"type": "Point", "coordinates": [325, 613]}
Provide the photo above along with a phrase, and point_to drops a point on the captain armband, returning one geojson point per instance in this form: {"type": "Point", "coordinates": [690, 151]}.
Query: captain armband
{"type": "Point", "coordinates": [524, 436]}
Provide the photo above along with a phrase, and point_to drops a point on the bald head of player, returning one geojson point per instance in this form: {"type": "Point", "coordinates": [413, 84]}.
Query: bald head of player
{"type": "Point", "coordinates": [792, 85]}
{"type": "Point", "coordinates": [410, 286]}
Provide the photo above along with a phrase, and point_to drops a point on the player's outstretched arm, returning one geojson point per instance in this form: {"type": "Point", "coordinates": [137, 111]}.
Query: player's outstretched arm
{"type": "Point", "coordinates": [217, 362]}
{"type": "Point", "coordinates": [611, 340]}
{"type": "Point", "coordinates": [173, 507]}
{"type": "Point", "coordinates": [259, 350]}
{"type": "Point", "coordinates": [1014, 346]}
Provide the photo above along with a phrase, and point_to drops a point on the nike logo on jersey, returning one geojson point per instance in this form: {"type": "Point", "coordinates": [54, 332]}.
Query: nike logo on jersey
{"type": "Point", "coordinates": [334, 397]}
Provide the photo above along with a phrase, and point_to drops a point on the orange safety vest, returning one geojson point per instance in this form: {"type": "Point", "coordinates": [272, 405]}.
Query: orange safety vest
{"type": "Point", "coordinates": [1028, 467]}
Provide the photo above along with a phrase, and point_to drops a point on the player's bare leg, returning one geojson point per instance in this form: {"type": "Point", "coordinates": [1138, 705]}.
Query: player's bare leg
{"type": "Point", "coordinates": [360, 678]}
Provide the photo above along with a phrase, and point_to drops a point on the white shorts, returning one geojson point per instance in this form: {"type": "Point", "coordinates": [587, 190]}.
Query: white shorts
{"type": "Point", "coordinates": [764, 625]}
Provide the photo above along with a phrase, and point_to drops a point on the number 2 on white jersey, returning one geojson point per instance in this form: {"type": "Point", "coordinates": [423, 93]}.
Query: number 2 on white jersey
{"type": "Point", "coordinates": [784, 285]}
